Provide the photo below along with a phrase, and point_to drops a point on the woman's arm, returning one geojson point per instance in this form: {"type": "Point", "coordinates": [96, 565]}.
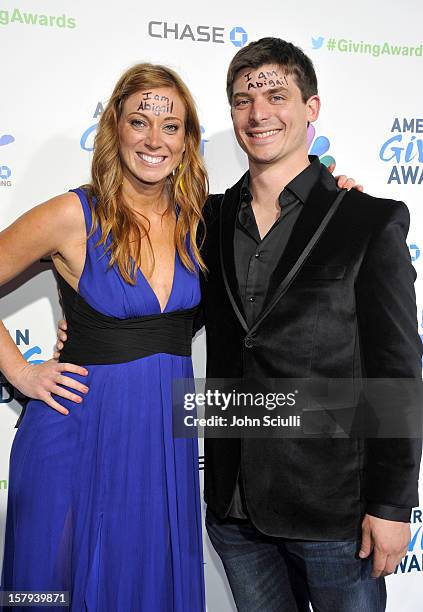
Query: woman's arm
{"type": "Point", "coordinates": [55, 228]}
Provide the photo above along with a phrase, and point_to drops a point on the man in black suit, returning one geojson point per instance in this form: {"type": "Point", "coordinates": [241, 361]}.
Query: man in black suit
{"type": "Point", "coordinates": [319, 520]}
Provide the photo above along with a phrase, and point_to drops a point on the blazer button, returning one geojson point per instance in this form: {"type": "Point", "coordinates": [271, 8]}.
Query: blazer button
{"type": "Point", "coordinates": [248, 342]}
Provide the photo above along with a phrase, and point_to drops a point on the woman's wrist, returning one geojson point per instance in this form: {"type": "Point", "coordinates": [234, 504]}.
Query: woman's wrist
{"type": "Point", "coordinates": [14, 373]}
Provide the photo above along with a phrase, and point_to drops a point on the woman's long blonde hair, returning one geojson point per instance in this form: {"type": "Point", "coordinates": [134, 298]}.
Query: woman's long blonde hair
{"type": "Point", "coordinates": [188, 187]}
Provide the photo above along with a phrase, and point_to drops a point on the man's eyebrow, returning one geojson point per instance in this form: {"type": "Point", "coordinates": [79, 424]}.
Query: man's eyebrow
{"type": "Point", "coordinates": [241, 94]}
{"type": "Point", "coordinates": [274, 90]}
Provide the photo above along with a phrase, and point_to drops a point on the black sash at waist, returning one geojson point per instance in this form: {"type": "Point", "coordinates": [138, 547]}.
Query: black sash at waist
{"type": "Point", "coordinates": [94, 338]}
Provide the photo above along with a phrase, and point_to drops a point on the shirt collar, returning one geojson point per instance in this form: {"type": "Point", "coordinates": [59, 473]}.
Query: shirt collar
{"type": "Point", "coordinates": [300, 186]}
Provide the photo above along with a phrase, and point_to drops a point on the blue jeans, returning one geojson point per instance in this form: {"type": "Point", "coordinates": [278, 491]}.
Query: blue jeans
{"type": "Point", "coordinates": [269, 574]}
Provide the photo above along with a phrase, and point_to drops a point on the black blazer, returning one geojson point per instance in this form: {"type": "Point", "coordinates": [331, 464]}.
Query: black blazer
{"type": "Point", "coordinates": [351, 312]}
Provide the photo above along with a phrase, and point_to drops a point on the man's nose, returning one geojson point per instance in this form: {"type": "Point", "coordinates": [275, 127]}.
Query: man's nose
{"type": "Point", "coordinates": [259, 111]}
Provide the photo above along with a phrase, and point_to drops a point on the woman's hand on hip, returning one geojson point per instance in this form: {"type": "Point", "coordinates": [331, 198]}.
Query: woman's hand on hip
{"type": "Point", "coordinates": [39, 381]}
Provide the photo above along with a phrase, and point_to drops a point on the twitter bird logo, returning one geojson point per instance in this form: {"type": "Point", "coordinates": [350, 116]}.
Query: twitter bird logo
{"type": "Point", "coordinates": [317, 42]}
{"type": "Point", "coordinates": [6, 139]}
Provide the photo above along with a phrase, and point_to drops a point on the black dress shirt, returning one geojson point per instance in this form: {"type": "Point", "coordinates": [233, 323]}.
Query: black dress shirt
{"type": "Point", "coordinates": [256, 259]}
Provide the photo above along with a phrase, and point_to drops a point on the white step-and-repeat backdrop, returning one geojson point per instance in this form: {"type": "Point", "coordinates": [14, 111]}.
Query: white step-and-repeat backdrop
{"type": "Point", "coordinates": [59, 62]}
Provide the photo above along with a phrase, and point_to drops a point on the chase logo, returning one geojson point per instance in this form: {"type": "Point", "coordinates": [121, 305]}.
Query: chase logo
{"type": "Point", "coordinates": [238, 36]}
{"type": "Point", "coordinates": [319, 146]}
{"type": "Point", "coordinates": [5, 174]}
{"type": "Point", "coordinates": [413, 560]}
{"type": "Point", "coordinates": [197, 33]}
{"type": "Point", "coordinates": [414, 251]}
{"type": "Point", "coordinates": [5, 171]}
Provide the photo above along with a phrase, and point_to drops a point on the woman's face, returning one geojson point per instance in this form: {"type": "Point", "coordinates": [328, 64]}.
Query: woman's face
{"type": "Point", "coordinates": [152, 134]}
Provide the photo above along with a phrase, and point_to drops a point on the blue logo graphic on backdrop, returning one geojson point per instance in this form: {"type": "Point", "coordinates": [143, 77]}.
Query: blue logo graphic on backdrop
{"type": "Point", "coordinates": [87, 138]}
{"type": "Point", "coordinates": [5, 173]}
{"type": "Point", "coordinates": [317, 42]}
{"type": "Point", "coordinates": [238, 36]}
{"type": "Point", "coordinates": [413, 561]}
{"type": "Point", "coordinates": [414, 251]}
{"type": "Point", "coordinates": [6, 139]}
{"type": "Point", "coordinates": [22, 337]}
{"type": "Point", "coordinates": [203, 140]}
{"type": "Point", "coordinates": [7, 391]}
{"type": "Point", "coordinates": [35, 350]}
{"type": "Point", "coordinates": [319, 146]}
{"type": "Point", "coordinates": [404, 151]}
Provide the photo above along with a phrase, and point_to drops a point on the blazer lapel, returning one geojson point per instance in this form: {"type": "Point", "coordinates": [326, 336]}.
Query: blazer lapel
{"type": "Point", "coordinates": [314, 210]}
{"type": "Point", "coordinates": [227, 220]}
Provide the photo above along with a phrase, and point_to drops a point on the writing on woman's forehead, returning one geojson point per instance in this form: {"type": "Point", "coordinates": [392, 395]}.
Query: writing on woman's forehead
{"type": "Point", "coordinates": [155, 103]}
{"type": "Point", "coordinates": [265, 78]}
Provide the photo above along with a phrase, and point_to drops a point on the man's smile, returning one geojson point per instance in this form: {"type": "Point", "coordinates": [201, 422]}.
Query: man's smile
{"type": "Point", "coordinates": [262, 135]}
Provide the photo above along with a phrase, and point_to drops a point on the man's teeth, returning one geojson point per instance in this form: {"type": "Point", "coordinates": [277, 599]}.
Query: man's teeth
{"type": "Point", "coordinates": [150, 159]}
{"type": "Point", "coordinates": [264, 134]}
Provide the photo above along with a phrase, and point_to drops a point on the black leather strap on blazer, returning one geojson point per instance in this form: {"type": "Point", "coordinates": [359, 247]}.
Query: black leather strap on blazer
{"type": "Point", "coordinates": [95, 338]}
{"type": "Point", "coordinates": [225, 278]}
{"type": "Point", "coordinates": [290, 277]}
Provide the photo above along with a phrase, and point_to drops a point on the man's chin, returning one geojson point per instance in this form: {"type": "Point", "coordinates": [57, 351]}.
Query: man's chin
{"type": "Point", "coordinates": [264, 158]}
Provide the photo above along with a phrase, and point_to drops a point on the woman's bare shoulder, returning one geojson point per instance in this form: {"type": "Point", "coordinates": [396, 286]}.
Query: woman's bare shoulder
{"type": "Point", "coordinates": [54, 226]}
{"type": "Point", "coordinates": [67, 206]}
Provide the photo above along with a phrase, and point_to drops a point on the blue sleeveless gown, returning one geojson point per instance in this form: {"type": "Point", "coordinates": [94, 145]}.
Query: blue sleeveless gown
{"type": "Point", "coordinates": [105, 502]}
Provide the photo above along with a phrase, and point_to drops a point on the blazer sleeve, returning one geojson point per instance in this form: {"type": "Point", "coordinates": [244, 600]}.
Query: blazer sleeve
{"type": "Point", "coordinates": [390, 348]}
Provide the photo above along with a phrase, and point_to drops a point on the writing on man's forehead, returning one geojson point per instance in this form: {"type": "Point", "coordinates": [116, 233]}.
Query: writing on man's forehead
{"type": "Point", "coordinates": [155, 103]}
{"type": "Point", "coordinates": [265, 78]}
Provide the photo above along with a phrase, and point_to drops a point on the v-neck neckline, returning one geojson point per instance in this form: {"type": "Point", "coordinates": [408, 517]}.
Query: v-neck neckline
{"type": "Point", "coordinates": [171, 289]}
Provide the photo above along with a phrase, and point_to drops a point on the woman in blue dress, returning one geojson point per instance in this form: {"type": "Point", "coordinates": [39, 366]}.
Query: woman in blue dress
{"type": "Point", "coordinates": [103, 501]}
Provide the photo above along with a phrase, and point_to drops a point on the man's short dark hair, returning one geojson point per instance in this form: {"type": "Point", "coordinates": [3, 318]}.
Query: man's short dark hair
{"type": "Point", "coordinates": [274, 51]}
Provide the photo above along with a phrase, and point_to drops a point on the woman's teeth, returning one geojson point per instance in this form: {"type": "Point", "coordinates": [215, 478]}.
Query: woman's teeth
{"type": "Point", "coordinates": [150, 159]}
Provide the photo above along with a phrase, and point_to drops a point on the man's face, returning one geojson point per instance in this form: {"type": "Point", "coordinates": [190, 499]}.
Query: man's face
{"type": "Point", "coordinates": [269, 116]}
